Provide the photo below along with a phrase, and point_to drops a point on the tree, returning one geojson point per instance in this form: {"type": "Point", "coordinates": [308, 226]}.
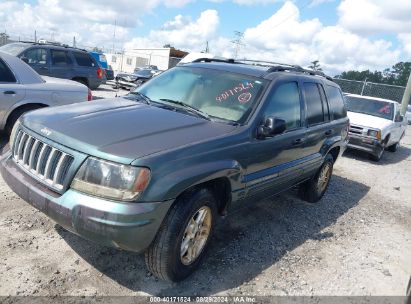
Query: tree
{"type": "Point", "coordinates": [315, 66]}
{"type": "Point", "coordinates": [97, 50]}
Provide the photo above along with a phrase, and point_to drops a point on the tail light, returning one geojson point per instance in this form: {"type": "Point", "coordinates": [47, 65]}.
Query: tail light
{"type": "Point", "coordinates": [89, 95]}
{"type": "Point", "coordinates": [100, 73]}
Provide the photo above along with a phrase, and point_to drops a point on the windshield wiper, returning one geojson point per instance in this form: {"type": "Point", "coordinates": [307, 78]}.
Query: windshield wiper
{"type": "Point", "coordinates": [142, 97]}
{"type": "Point", "coordinates": [187, 107]}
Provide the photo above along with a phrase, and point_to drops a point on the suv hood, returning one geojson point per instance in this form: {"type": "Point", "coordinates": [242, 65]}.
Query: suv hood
{"type": "Point", "coordinates": [366, 120]}
{"type": "Point", "coordinates": [119, 129]}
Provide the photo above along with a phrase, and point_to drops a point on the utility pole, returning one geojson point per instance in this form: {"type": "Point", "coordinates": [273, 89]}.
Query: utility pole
{"type": "Point", "coordinates": [114, 33]}
{"type": "Point", "coordinates": [35, 36]}
{"type": "Point", "coordinates": [238, 42]}
{"type": "Point", "coordinates": [363, 86]}
{"type": "Point", "coordinates": [406, 97]}
{"type": "Point", "coordinates": [207, 50]}
{"type": "Point", "coordinates": [74, 41]}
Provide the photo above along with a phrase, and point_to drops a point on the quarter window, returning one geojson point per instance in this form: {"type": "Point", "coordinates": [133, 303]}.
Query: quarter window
{"type": "Point", "coordinates": [83, 59]}
{"type": "Point", "coordinates": [5, 74]}
{"type": "Point", "coordinates": [285, 104]}
{"type": "Point", "coordinates": [336, 101]}
{"type": "Point", "coordinates": [36, 56]}
{"type": "Point", "coordinates": [315, 113]}
{"type": "Point", "coordinates": [60, 58]}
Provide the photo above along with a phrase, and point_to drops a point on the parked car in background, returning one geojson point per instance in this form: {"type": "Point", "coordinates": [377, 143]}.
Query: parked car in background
{"type": "Point", "coordinates": [23, 90]}
{"type": "Point", "coordinates": [152, 171]}
{"type": "Point", "coordinates": [133, 80]}
{"type": "Point", "coordinates": [102, 60]}
{"type": "Point", "coordinates": [59, 61]}
{"type": "Point", "coordinates": [408, 114]}
{"type": "Point", "coordinates": [375, 124]}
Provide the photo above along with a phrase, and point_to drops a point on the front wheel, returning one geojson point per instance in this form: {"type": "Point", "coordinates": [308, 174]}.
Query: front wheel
{"type": "Point", "coordinates": [313, 189]}
{"type": "Point", "coordinates": [394, 147]}
{"type": "Point", "coordinates": [183, 238]}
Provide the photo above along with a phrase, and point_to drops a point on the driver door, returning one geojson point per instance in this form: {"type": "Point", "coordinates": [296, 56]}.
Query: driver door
{"type": "Point", "coordinates": [275, 163]}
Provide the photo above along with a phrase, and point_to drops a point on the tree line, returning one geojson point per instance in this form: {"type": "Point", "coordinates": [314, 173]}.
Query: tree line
{"type": "Point", "coordinates": [396, 75]}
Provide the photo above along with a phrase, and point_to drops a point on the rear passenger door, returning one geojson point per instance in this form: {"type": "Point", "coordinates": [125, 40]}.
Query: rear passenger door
{"type": "Point", "coordinates": [61, 64]}
{"type": "Point", "coordinates": [317, 122]}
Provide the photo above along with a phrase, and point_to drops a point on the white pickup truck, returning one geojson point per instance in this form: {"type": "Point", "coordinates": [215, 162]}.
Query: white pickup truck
{"type": "Point", "coordinates": [375, 124]}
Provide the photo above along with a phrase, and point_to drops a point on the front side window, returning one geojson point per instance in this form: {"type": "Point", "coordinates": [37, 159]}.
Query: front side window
{"type": "Point", "coordinates": [36, 56]}
{"type": "Point", "coordinates": [374, 107]}
{"type": "Point", "coordinates": [315, 112]}
{"type": "Point", "coordinates": [5, 73]}
{"type": "Point", "coordinates": [220, 94]}
{"type": "Point", "coordinates": [84, 59]}
{"type": "Point", "coordinates": [60, 58]}
{"type": "Point", "coordinates": [285, 104]}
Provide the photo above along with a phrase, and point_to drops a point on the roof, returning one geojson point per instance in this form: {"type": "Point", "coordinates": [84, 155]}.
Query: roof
{"type": "Point", "coordinates": [50, 45]}
{"type": "Point", "coordinates": [371, 98]}
{"type": "Point", "coordinates": [262, 69]}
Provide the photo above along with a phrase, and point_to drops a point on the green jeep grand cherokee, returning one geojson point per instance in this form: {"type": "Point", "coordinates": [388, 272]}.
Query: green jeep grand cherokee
{"type": "Point", "coordinates": [152, 171]}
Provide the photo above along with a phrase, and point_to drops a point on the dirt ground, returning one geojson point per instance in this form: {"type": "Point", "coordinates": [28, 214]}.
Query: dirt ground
{"type": "Point", "coordinates": [356, 241]}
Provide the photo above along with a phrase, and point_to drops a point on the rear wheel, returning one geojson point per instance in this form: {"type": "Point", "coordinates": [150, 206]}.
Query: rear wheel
{"type": "Point", "coordinates": [313, 189]}
{"type": "Point", "coordinates": [183, 238]}
{"type": "Point", "coordinates": [394, 147]}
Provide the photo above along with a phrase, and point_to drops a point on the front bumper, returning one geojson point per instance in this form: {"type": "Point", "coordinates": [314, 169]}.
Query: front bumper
{"type": "Point", "coordinates": [372, 146]}
{"type": "Point", "coordinates": [129, 226]}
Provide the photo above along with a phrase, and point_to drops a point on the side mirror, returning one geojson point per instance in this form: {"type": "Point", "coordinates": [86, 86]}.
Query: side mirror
{"type": "Point", "coordinates": [399, 118]}
{"type": "Point", "coordinates": [272, 126]}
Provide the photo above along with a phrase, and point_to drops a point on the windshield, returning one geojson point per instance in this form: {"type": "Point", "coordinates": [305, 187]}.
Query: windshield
{"type": "Point", "coordinates": [372, 107]}
{"type": "Point", "coordinates": [13, 48]}
{"type": "Point", "coordinates": [218, 94]}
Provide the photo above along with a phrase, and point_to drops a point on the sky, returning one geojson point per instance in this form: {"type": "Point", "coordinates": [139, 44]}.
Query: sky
{"type": "Point", "coordinates": [342, 35]}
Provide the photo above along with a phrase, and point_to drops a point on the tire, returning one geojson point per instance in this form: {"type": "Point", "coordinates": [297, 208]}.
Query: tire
{"type": "Point", "coordinates": [394, 147]}
{"type": "Point", "coordinates": [313, 190]}
{"type": "Point", "coordinates": [11, 121]}
{"type": "Point", "coordinates": [377, 157]}
{"type": "Point", "coordinates": [164, 258]}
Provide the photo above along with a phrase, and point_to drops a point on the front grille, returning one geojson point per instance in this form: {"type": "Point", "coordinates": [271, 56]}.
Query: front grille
{"type": "Point", "coordinates": [356, 130]}
{"type": "Point", "coordinates": [43, 161]}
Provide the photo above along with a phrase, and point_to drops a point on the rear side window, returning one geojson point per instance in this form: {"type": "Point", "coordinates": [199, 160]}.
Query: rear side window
{"type": "Point", "coordinates": [5, 74]}
{"type": "Point", "coordinates": [60, 58]}
{"type": "Point", "coordinates": [36, 56]}
{"type": "Point", "coordinates": [285, 104]}
{"type": "Point", "coordinates": [315, 112]}
{"type": "Point", "coordinates": [336, 101]}
{"type": "Point", "coordinates": [84, 59]}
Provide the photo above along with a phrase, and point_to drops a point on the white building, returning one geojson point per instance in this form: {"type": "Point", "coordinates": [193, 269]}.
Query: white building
{"type": "Point", "coordinates": [127, 61]}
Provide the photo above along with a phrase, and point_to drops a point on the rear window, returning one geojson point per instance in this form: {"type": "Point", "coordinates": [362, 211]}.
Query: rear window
{"type": "Point", "coordinates": [84, 59]}
{"type": "Point", "coordinates": [336, 102]}
{"type": "Point", "coordinates": [374, 107]}
{"type": "Point", "coordinates": [14, 48]}
{"type": "Point", "coordinates": [5, 74]}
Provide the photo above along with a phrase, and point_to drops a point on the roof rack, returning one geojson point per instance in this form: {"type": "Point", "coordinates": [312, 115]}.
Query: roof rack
{"type": "Point", "coordinates": [272, 66]}
{"type": "Point", "coordinates": [214, 60]}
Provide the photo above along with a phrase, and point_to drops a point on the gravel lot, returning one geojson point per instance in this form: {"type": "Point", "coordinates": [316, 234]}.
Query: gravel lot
{"type": "Point", "coordinates": [356, 241]}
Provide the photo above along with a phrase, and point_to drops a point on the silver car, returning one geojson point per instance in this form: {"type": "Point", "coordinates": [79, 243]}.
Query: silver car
{"type": "Point", "coordinates": [22, 90]}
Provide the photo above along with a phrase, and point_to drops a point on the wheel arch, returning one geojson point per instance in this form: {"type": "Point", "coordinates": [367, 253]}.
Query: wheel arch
{"type": "Point", "coordinates": [19, 107]}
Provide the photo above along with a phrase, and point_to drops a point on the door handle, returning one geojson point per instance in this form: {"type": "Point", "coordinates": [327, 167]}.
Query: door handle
{"type": "Point", "coordinates": [298, 141]}
{"type": "Point", "coordinates": [329, 132]}
{"type": "Point", "coordinates": [9, 93]}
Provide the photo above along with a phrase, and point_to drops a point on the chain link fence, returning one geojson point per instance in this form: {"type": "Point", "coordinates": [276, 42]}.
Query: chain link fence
{"type": "Point", "coordinates": [371, 89]}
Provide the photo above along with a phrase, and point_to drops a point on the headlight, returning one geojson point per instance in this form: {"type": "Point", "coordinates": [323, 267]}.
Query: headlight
{"type": "Point", "coordinates": [14, 133]}
{"type": "Point", "coordinates": [374, 133]}
{"type": "Point", "coordinates": [111, 180]}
